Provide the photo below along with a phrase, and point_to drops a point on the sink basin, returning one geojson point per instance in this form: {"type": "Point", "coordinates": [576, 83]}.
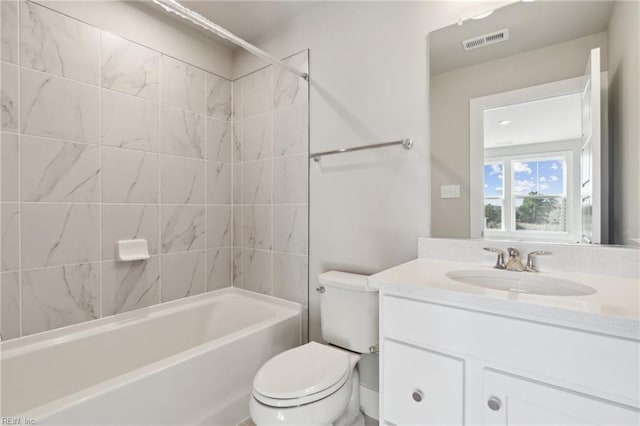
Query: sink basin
{"type": "Point", "coordinates": [521, 282]}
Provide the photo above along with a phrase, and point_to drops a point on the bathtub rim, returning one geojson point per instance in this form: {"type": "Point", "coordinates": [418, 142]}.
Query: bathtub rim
{"type": "Point", "coordinates": [290, 311]}
{"type": "Point", "coordinates": [14, 347]}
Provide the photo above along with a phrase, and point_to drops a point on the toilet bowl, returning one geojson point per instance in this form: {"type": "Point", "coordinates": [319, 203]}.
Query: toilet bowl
{"type": "Point", "coordinates": [319, 384]}
{"type": "Point", "coordinates": [312, 384]}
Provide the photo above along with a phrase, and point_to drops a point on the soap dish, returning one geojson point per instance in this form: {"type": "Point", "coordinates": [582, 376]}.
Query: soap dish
{"type": "Point", "coordinates": [131, 250]}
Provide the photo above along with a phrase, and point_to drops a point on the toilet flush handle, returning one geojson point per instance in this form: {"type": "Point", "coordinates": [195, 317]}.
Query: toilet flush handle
{"type": "Point", "coordinates": [320, 289]}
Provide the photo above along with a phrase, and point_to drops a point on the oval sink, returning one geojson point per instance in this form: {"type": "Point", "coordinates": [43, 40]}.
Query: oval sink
{"type": "Point", "coordinates": [521, 282]}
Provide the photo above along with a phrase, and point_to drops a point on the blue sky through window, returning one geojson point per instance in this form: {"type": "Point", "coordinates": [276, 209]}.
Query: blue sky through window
{"type": "Point", "coordinates": [493, 179]}
{"type": "Point", "coordinates": [544, 177]}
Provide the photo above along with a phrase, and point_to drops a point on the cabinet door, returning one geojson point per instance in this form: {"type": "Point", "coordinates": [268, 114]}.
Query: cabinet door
{"type": "Point", "coordinates": [513, 400]}
{"type": "Point", "coordinates": [421, 387]}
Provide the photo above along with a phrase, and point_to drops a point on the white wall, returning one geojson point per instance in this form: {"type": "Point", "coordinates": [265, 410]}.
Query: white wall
{"type": "Point", "coordinates": [624, 110]}
{"type": "Point", "coordinates": [369, 83]}
{"type": "Point", "coordinates": [450, 95]}
{"type": "Point", "coordinates": [150, 27]}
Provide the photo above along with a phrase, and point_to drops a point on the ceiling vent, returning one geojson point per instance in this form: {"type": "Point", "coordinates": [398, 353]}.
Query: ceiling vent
{"type": "Point", "coordinates": [486, 40]}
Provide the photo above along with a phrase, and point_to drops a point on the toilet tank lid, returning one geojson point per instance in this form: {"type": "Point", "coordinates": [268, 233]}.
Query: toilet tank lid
{"type": "Point", "coordinates": [347, 280]}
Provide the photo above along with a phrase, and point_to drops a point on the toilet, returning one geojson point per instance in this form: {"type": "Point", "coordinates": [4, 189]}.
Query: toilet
{"type": "Point", "coordinates": [319, 384]}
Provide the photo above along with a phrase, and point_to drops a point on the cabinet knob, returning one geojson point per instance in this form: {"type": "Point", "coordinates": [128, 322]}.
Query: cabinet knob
{"type": "Point", "coordinates": [417, 395]}
{"type": "Point", "coordinates": [494, 403]}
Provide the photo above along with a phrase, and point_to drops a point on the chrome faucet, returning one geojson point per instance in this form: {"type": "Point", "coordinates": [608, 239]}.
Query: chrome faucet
{"type": "Point", "coordinates": [500, 253]}
{"type": "Point", "coordinates": [514, 262]}
{"type": "Point", "coordinates": [530, 258]}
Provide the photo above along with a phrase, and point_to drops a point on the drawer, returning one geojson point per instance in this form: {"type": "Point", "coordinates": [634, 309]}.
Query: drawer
{"type": "Point", "coordinates": [595, 364]}
{"type": "Point", "coordinates": [421, 387]}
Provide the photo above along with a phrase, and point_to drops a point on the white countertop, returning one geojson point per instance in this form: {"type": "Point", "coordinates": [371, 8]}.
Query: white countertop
{"type": "Point", "coordinates": [613, 310]}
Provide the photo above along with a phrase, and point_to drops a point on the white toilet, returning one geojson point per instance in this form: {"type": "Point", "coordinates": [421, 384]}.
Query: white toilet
{"type": "Point", "coordinates": [317, 384]}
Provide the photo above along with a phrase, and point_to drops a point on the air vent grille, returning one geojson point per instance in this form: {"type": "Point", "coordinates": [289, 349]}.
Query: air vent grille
{"type": "Point", "coordinates": [486, 40]}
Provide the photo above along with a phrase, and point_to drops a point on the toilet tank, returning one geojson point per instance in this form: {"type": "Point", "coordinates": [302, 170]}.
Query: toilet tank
{"type": "Point", "coordinates": [348, 311]}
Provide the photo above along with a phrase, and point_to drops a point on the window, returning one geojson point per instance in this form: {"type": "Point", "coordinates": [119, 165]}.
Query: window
{"type": "Point", "coordinates": [493, 195]}
{"type": "Point", "coordinates": [527, 195]}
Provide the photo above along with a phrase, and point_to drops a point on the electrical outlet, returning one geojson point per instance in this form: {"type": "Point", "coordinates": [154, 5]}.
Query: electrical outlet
{"type": "Point", "coordinates": [450, 191]}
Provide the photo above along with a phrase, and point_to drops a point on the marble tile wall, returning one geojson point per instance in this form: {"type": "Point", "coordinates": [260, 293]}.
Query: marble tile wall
{"type": "Point", "coordinates": [104, 139]}
{"type": "Point", "coordinates": [270, 182]}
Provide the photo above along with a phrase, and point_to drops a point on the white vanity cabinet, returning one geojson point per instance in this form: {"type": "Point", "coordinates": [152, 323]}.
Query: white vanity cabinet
{"type": "Point", "coordinates": [519, 401]}
{"type": "Point", "coordinates": [443, 364]}
{"type": "Point", "coordinates": [433, 392]}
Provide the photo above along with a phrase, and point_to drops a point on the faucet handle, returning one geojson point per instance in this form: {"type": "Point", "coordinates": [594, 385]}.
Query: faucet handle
{"type": "Point", "coordinates": [531, 267]}
{"type": "Point", "coordinates": [513, 252]}
{"type": "Point", "coordinates": [500, 261]}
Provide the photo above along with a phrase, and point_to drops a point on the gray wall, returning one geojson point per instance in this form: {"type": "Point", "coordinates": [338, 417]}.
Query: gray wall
{"type": "Point", "coordinates": [450, 95]}
{"type": "Point", "coordinates": [624, 110]}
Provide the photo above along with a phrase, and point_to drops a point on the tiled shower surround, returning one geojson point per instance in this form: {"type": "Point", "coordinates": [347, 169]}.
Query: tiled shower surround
{"type": "Point", "coordinates": [270, 182]}
{"type": "Point", "coordinates": [104, 139]}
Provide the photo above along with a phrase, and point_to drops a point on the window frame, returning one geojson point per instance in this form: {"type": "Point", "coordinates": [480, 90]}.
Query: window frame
{"type": "Point", "coordinates": [478, 154]}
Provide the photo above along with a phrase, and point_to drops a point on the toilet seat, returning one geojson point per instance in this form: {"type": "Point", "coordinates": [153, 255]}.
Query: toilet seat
{"type": "Point", "coordinates": [302, 375]}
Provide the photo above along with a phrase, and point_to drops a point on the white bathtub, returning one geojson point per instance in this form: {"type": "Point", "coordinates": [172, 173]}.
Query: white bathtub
{"type": "Point", "coordinates": [186, 362]}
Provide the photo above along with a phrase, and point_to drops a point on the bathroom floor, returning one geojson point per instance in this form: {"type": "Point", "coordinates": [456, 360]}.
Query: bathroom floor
{"type": "Point", "coordinates": [368, 421]}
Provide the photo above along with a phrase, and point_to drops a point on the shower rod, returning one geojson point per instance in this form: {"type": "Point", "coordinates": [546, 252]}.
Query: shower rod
{"type": "Point", "coordinates": [196, 18]}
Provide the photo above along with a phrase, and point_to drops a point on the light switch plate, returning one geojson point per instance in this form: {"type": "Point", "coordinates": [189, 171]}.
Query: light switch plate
{"type": "Point", "coordinates": [450, 191]}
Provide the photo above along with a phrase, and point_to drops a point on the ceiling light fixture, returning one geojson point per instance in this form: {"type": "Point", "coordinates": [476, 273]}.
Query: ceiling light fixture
{"type": "Point", "coordinates": [482, 15]}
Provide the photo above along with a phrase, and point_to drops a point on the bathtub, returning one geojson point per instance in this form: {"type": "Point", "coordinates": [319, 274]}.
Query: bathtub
{"type": "Point", "coordinates": [187, 362]}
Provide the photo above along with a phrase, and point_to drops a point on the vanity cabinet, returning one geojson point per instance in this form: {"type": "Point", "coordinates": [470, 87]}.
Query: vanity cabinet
{"type": "Point", "coordinates": [433, 392]}
{"type": "Point", "coordinates": [444, 364]}
{"type": "Point", "coordinates": [518, 401]}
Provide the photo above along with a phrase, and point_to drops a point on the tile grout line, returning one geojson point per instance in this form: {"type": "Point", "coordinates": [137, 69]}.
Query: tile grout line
{"type": "Point", "coordinates": [272, 114]}
{"type": "Point", "coordinates": [308, 213]}
{"type": "Point", "coordinates": [159, 183]}
{"type": "Point", "coordinates": [113, 260]}
{"type": "Point", "coordinates": [110, 147]}
{"type": "Point", "coordinates": [19, 59]}
{"type": "Point", "coordinates": [100, 217]}
{"type": "Point", "coordinates": [239, 174]}
{"type": "Point", "coordinates": [234, 223]}
{"type": "Point", "coordinates": [95, 203]}
{"type": "Point", "coordinates": [271, 111]}
{"type": "Point", "coordinates": [206, 190]}
{"type": "Point", "coordinates": [161, 105]}
{"type": "Point", "coordinates": [100, 87]}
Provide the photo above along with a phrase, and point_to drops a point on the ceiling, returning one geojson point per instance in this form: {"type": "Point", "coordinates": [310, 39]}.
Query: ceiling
{"type": "Point", "coordinates": [247, 19]}
{"type": "Point", "coordinates": [532, 25]}
{"type": "Point", "coordinates": [546, 120]}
